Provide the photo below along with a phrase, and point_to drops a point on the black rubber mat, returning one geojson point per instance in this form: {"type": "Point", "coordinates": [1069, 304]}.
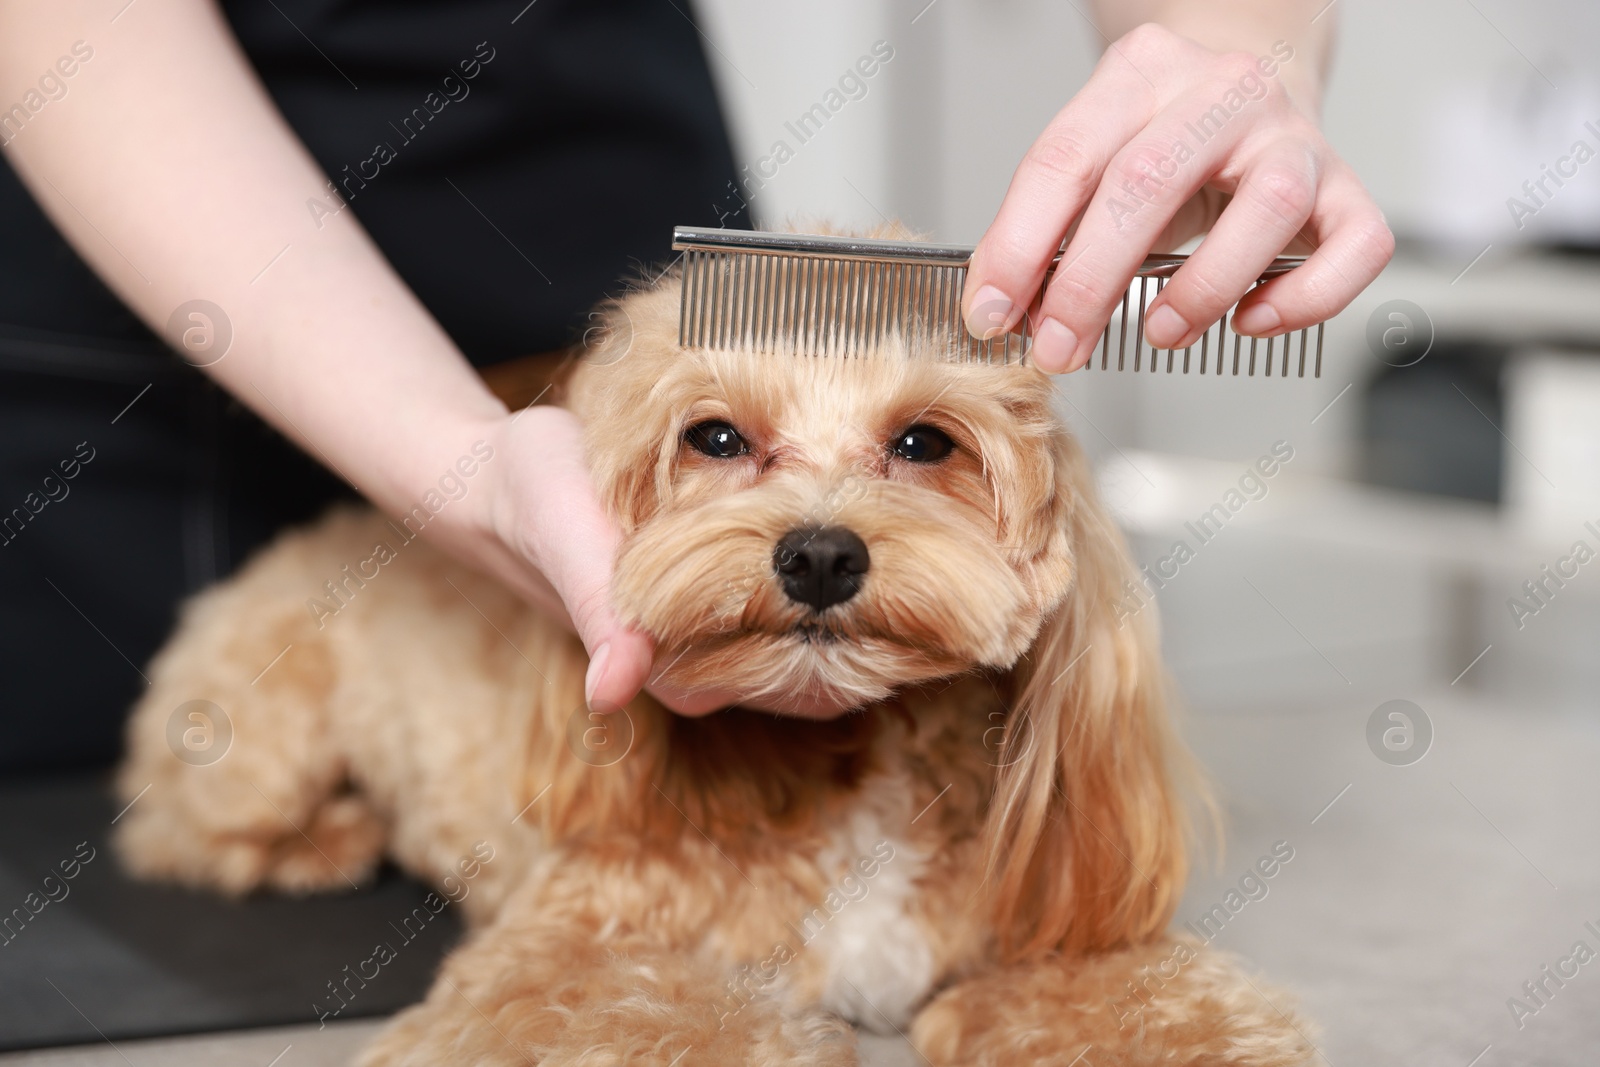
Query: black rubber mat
{"type": "Point", "coordinates": [99, 955]}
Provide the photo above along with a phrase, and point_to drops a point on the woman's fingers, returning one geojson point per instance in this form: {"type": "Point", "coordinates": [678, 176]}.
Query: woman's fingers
{"type": "Point", "coordinates": [570, 539]}
{"type": "Point", "coordinates": [1146, 184]}
{"type": "Point", "coordinates": [1167, 140]}
{"type": "Point", "coordinates": [1051, 185]}
{"type": "Point", "coordinates": [565, 534]}
{"type": "Point", "coordinates": [1353, 245]}
{"type": "Point", "coordinates": [1272, 202]}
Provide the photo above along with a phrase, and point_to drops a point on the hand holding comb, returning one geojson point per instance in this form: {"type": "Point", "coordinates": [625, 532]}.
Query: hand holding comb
{"type": "Point", "coordinates": [825, 295]}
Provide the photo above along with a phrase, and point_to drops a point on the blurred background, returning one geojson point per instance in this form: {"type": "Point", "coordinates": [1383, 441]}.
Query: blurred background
{"type": "Point", "coordinates": [1386, 655]}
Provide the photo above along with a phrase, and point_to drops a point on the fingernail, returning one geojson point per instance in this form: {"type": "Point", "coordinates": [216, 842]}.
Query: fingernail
{"type": "Point", "coordinates": [991, 313]}
{"type": "Point", "coordinates": [1257, 319]}
{"type": "Point", "coordinates": [1053, 346]}
{"type": "Point", "coordinates": [1165, 327]}
{"type": "Point", "coordinates": [1082, 356]}
{"type": "Point", "coordinates": [596, 673]}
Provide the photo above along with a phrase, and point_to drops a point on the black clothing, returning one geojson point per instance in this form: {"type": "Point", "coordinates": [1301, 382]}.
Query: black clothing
{"type": "Point", "coordinates": [515, 162]}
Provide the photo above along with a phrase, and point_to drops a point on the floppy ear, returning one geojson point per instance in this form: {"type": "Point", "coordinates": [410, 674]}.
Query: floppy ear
{"type": "Point", "coordinates": [619, 389]}
{"type": "Point", "coordinates": [1086, 835]}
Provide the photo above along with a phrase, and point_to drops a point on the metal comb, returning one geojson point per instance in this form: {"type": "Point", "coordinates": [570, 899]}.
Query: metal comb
{"type": "Point", "coordinates": [848, 296]}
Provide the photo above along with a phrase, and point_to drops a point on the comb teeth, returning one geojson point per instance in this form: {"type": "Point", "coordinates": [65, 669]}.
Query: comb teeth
{"type": "Point", "coordinates": [1209, 354]}
{"type": "Point", "coordinates": [853, 296]}
{"type": "Point", "coordinates": [829, 306]}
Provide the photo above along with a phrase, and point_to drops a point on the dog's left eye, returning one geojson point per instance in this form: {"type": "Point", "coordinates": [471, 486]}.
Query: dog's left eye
{"type": "Point", "coordinates": [922, 444]}
{"type": "Point", "coordinates": [716, 438]}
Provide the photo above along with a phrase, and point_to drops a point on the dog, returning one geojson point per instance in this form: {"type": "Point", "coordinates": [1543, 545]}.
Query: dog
{"type": "Point", "coordinates": [983, 854]}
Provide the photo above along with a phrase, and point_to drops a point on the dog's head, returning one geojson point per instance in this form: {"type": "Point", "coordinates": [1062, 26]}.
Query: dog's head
{"type": "Point", "coordinates": [820, 530]}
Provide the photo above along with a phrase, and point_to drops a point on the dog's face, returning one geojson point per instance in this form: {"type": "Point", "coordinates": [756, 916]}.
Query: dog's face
{"type": "Point", "coordinates": [817, 531]}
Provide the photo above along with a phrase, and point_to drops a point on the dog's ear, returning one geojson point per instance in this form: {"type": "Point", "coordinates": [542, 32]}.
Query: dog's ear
{"type": "Point", "coordinates": [1086, 836]}
{"type": "Point", "coordinates": [621, 391]}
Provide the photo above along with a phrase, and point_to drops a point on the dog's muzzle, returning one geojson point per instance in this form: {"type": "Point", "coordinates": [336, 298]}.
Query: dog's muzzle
{"type": "Point", "coordinates": [821, 566]}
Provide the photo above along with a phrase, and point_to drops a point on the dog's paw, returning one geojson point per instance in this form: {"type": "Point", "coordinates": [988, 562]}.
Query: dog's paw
{"type": "Point", "coordinates": [593, 1008]}
{"type": "Point", "coordinates": [1175, 1004]}
{"type": "Point", "coordinates": [337, 847]}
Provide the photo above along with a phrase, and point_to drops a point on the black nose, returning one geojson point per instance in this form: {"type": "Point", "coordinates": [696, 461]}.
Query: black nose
{"type": "Point", "coordinates": [821, 566]}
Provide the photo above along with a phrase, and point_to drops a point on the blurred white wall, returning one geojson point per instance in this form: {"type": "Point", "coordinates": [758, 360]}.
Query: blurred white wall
{"type": "Point", "coordinates": [1444, 107]}
{"type": "Point", "coordinates": [774, 62]}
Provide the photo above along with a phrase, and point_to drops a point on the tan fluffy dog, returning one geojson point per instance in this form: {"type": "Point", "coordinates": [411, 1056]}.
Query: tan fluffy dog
{"type": "Point", "coordinates": [984, 855]}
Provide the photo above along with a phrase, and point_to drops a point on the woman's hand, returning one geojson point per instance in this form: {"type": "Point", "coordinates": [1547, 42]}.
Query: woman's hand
{"type": "Point", "coordinates": [538, 526]}
{"type": "Point", "coordinates": [534, 522]}
{"type": "Point", "coordinates": [1167, 140]}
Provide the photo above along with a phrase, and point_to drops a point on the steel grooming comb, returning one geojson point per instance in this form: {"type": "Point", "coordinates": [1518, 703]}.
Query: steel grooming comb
{"type": "Point", "coordinates": [847, 296]}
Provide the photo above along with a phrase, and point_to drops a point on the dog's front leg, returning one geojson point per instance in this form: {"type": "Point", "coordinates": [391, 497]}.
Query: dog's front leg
{"type": "Point", "coordinates": [1172, 1004]}
{"type": "Point", "coordinates": [551, 996]}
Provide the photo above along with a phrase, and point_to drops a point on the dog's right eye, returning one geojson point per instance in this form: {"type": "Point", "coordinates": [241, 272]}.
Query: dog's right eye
{"type": "Point", "coordinates": [716, 438]}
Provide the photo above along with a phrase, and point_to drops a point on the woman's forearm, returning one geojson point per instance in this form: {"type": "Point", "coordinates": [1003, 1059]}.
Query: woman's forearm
{"type": "Point", "coordinates": [168, 168]}
{"type": "Point", "coordinates": [1241, 25]}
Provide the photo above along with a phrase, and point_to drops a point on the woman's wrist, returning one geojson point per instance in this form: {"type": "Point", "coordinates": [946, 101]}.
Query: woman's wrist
{"type": "Point", "coordinates": [1266, 29]}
